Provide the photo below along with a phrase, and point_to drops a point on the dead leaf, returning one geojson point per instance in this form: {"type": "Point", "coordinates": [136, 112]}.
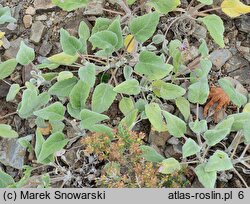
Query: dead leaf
{"type": "Point", "coordinates": [234, 8]}
{"type": "Point", "coordinates": [130, 43]}
{"type": "Point", "coordinates": [46, 130]}
{"type": "Point", "coordinates": [217, 95]}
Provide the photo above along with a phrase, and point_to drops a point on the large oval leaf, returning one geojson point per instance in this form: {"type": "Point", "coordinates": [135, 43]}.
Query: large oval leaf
{"type": "Point", "coordinates": [143, 27]}
{"type": "Point", "coordinates": [169, 166]}
{"type": "Point", "coordinates": [91, 118]}
{"type": "Point", "coordinates": [5, 180]}
{"type": "Point", "coordinates": [215, 27]}
{"type": "Point", "coordinates": [25, 54]}
{"type": "Point", "coordinates": [129, 87]}
{"type": "Point", "coordinates": [167, 91]}
{"type": "Point", "coordinates": [175, 125]}
{"type": "Point", "coordinates": [190, 148]}
{"type": "Point", "coordinates": [55, 111]}
{"type": "Point", "coordinates": [79, 95]}
{"type": "Point", "coordinates": [7, 67]}
{"type": "Point", "coordinates": [70, 5]}
{"type": "Point", "coordinates": [7, 132]}
{"type": "Point", "coordinates": [199, 91]}
{"type": "Point", "coordinates": [164, 6]}
{"type": "Point", "coordinates": [53, 144]}
{"type": "Point", "coordinates": [153, 112]}
{"type": "Point", "coordinates": [150, 154]}
{"type": "Point", "coordinates": [105, 40]}
{"type": "Point", "coordinates": [219, 161]}
{"type": "Point", "coordinates": [126, 105]}
{"type": "Point", "coordinates": [237, 98]}
{"type": "Point", "coordinates": [152, 66]}
{"type": "Point", "coordinates": [207, 179]}
{"type": "Point", "coordinates": [221, 130]}
{"type": "Point", "coordinates": [103, 97]}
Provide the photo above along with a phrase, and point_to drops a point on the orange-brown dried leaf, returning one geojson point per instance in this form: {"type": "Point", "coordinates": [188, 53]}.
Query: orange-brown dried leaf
{"type": "Point", "coordinates": [217, 95]}
{"type": "Point", "coordinates": [46, 130]}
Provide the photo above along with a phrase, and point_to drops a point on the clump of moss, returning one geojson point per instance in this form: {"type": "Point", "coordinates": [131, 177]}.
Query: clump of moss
{"type": "Point", "coordinates": [124, 167]}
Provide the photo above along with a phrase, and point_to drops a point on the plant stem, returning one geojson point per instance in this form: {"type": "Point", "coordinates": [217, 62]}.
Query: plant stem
{"type": "Point", "coordinates": [212, 9]}
{"type": "Point", "coordinates": [7, 82]}
{"type": "Point", "coordinates": [197, 115]}
{"type": "Point", "coordinates": [111, 11]}
{"type": "Point", "coordinates": [244, 151]}
{"type": "Point", "coordinates": [198, 7]}
{"type": "Point", "coordinates": [246, 158]}
{"type": "Point", "coordinates": [241, 178]}
{"type": "Point", "coordinates": [91, 57]}
{"type": "Point", "coordinates": [7, 115]}
{"type": "Point", "coordinates": [238, 139]}
{"type": "Point", "coordinates": [124, 7]}
{"type": "Point", "coordinates": [170, 25]}
{"type": "Point", "coordinates": [190, 162]}
{"type": "Point", "coordinates": [190, 4]}
{"type": "Point", "coordinates": [205, 152]}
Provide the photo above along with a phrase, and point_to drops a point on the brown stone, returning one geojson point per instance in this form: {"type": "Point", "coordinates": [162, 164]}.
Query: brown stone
{"type": "Point", "coordinates": [30, 11]}
{"type": "Point", "coordinates": [27, 21]}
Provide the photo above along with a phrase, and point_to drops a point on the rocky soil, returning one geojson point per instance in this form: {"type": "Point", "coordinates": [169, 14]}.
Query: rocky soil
{"type": "Point", "coordinates": [38, 24]}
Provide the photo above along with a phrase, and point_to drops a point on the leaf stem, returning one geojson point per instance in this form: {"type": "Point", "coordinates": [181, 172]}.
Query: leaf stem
{"type": "Point", "coordinates": [7, 115]}
{"type": "Point", "coordinates": [190, 5]}
{"type": "Point", "coordinates": [6, 82]}
{"type": "Point", "coordinates": [205, 152]}
{"type": "Point", "coordinates": [208, 10]}
{"type": "Point", "coordinates": [244, 151]}
{"type": "Point", "coordinates": [198, 135]}
{"type": "Point", "coordinates": [241, 178]}
{"type": "Point", "coordinates": [236, 144]}
{"type": "Point", "coordinates": [124, 7]}
{"type": "Point", "coordinates": [190, 162]}
{"type": "Point", "coordinates": [111, 11]}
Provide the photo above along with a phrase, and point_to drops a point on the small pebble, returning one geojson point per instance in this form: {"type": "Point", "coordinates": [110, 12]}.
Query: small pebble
{"type": "Point", "coordinates": [27, 21]}
{"type": "Point", "coordinates": [30, 11]}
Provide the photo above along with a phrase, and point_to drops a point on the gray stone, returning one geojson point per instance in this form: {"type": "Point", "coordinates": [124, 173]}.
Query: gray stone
{"type": "Point", "coordinates": [247, 56]}
{"type": "Point", "coordinates": [245, 51]}
{"type": "Point", "coordinates": [200, 32]}
{"type": "Point", "coordinates": [12, 153]}
{"type": "Point", "coordinates": [94, 8]}
{"type": "Point", "coordinates": [17, 9]}
{"type": "Point", "coordinates": [26, 72]}
{"type": "Point", "coordinates": [37, 31]}
{"type": "Point", "coordinates": [173, 141]}
{"type": "Point", "coordinates": [238, 86]}
{"type": "Point", "coordinates": [158, 138]}
{"type": "Point", "coordinates": [43, 4]}
{"type": "Point", "coordinates": [171, 152]}
{"type": "Point", "coordinates": [242, 75]}
{"type": "Point", "coordinates": [45, 48]}
{"type": "Point", "coordinates": [190, 54]}
{"type": "Point", "coordinates": [243, 23]}
{"type": "Point", "coordinates": [30, 11]}
{"type": "Point", "coordinates": [12, 51]}
{"type": "Point", "coordinates": [6, 43]}
{"type": "Point", "coordinates": [4, 89]}
{"type": "Point", "coordinates": [196, 184]}
{"type": "Point", "coordinates": [41, 18]}
{"type": "Point", "coordinates": [220, 57]}
{"type": "Point", "coordinates": [11, 26]}
{"type": "Point", "coordinates": [236, 62]}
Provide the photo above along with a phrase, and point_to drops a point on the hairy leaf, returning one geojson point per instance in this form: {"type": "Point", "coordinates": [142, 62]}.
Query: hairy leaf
{"type": "Point", "coordinates": [7, 132]}
{"type": "Point", "coordinates": [143, 27]}
{"type": "Point", "coordinates": [25, 54]}
{"type": "Point", "coordinates": [103, 97]}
